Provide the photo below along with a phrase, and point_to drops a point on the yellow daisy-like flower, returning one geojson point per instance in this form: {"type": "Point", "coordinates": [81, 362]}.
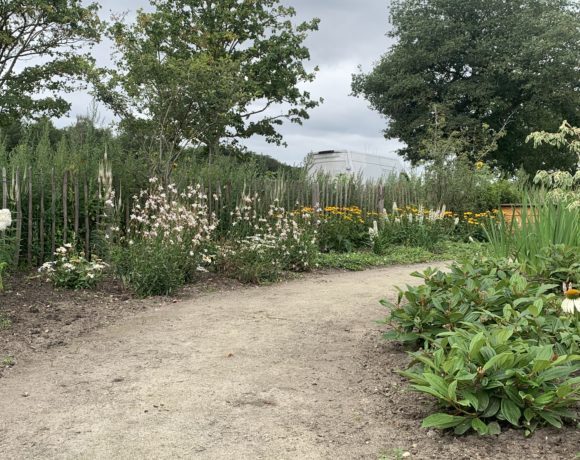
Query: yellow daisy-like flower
{"type": "Point", "coordinates": [571, 303]}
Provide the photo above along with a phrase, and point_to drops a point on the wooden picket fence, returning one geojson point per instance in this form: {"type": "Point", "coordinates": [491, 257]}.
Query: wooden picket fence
{"type": "Point", "coordinates": [50, 209]}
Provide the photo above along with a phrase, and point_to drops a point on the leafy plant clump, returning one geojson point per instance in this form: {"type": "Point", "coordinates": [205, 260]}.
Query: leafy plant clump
{"type": "Point", "coordinates": [72, 270]}
{"type": "Point", "coordinates": [496, 347]}
{"type": "Point", "coordinates": [487, 376]}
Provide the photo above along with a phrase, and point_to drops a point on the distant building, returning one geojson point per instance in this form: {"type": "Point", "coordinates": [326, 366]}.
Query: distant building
{"type": "Point", "coordinates": [340, 162]}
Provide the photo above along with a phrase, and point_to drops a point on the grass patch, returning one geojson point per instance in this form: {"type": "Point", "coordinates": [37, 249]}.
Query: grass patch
{"type": "Point", "coordinates": [356, 261]}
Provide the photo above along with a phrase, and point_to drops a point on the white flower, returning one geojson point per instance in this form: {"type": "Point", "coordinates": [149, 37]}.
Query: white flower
{"type": "Point", "coordinates": [5, 219]}
{"type": "Point", "coordinates": [571, 303]}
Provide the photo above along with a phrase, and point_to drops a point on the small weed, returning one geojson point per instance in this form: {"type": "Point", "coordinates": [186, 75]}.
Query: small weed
{"type": "Point", "coordinates": [5, 323]}
{"type": "Point", "coordinates": [394, 454]}
{"type": "Point", "coordinates": [8, 361]}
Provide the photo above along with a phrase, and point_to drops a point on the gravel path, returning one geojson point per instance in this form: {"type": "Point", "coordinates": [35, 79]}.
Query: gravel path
{"type": "Point", "coordinates": [289, 371]}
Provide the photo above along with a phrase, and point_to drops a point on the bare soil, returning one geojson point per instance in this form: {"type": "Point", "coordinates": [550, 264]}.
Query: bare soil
{"type": "Point", "coordinates": [296, 370]}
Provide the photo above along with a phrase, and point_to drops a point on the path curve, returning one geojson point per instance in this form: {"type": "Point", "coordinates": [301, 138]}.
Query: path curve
{"type": "Point", "coordinates": [263, 372]}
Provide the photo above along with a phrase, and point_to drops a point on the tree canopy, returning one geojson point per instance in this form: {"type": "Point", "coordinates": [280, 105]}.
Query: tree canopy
{"type": "Point", "coordinates": [40, 58]}
{"type": "Point", "coordinates": [511, 65]}
{"type": "Point", "coordinates": [199, 71]}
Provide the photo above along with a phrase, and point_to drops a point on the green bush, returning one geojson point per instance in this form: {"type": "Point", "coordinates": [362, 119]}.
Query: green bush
{"type": "Point", "coordinates": [252, 260]}
{"type": "Point", "coordinates": [466, 293]}
{"type": "Point", "coordinates": [150, 267]}
{"type": "Point", "coordinates": [482, 376]}
{"type": "Point", "coordinates": [413, 229]}
{"type": "Point", "coordinates": [260, 248]}
{"type": "Point", "coordinates": [343, 229]}
{"type": "Point", "coordinates": [497, 347]}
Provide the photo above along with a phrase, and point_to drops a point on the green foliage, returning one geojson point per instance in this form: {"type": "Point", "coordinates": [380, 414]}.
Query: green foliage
{"type": "Point", "coordinates": [343, 229]}
{"type": "Point", "coordinates": [563, 187]}
{"type": "Point", "coordinates": [167, 240]}
{"type": "Point", "coordinates": [484, 377]}
{"type": "Point", "coordinates": [412, 230]}
{"type": "Point", "coordinates": [496, 347]}
{"type": "Point", "coordinates": [150, 267]}
{"type": "Point", "coordinates": [71, 270]}
{"type": "Point", "coordinates": [543, 225]}
{"type": "Point", "coordinates": [5, 322]}
{"type": "Point", "coordinates": [174, 88]}
{"type": "Point", "coordinates": [53, 32]}
{"type": "Point", "coordinates": [259, 248]}
{"type": "Point", "coordinates": [479, 62]}
{"type": "Point", "coordinates": [395, 255]}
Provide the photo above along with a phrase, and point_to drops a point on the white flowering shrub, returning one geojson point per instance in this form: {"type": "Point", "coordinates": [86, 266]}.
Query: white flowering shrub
{"type": "Point", "coordinates": [563, 187]}
{"type": "Point", "coordinates": [168, 240]}
{"type": "Point", "coordinates": [72, 270]}
{"type": "Point", "coordinates": [259, 248]}
{"type": "Point", "coordinates": [5, 243]}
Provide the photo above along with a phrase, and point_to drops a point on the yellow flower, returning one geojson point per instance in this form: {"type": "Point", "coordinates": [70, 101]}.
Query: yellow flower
{"type": "Point", "coordinates": [479, 165]}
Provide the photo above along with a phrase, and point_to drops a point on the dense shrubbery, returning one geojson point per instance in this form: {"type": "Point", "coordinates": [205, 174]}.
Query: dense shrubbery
{"type": "Point", "coordinates": [259, 248]}
{"type": "Point", "coordinates": [496, 346]}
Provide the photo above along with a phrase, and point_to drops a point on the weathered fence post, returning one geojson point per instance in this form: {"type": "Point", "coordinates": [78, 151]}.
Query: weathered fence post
{"type": "Point", "coordinates": [381, 200]}
{"type": "Point", "coordinates": [64, 206]}
{"type": "Point", "coordinates": [30, 217]}
{"type": "Point", "coordinates": [17, 198]}
{"type": "Point", "coordinates": [52, 215]}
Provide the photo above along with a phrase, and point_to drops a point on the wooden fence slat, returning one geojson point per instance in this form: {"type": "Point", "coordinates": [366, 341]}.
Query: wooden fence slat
{"type": "Point", "coordinates": [64, 207]}
{"type": "Point", "coordinates": [52, 215]}
{"type": "Point", "coordinates": [77, 207]}
{"type": "Point", "coordinates": [41, 224]}
{"type": "Point", "coordinates": [87, 219]}
{"type": "Point", "coordinates": [30, 217]}
{"type": "Point", "coordinates": [18, 199]}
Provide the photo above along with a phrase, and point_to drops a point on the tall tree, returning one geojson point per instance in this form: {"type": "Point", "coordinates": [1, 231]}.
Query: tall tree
{"type": "Point", "coordinates": [507, 64]}
{"type": "Point", "coordinates": [200, 71]}
{"type": "Point", "coordinates": [40, 54]}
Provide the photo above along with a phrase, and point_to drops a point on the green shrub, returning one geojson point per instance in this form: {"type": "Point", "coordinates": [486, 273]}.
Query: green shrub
{"type": "Point", "coordinates": [466, 293]}
{"type": "Point", "coordinates": [343, 229]}
{"type": "Point", "coordinates": [150, 267]}
{"type": "Point", "coordinates": [253, 260]}
{"type": "Point", "coordinates": [482, 376]}
{"type": "Point", "coordinates": [497, 347]}
{"type": "Point", "coordinates": [412, 227]}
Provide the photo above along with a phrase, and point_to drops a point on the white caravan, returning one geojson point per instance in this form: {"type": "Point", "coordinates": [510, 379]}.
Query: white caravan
{"type": "Point", "coordinates": [341, 162]}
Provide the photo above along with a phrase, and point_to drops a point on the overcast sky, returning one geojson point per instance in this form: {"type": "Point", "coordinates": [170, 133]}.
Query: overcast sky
{"type": "Point", "coordinates": [351, 33]}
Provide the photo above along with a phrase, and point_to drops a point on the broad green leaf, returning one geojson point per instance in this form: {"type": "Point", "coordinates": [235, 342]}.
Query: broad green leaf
{"type": "Point", "coordinates": [442, 421]}
{"type": "Point", "coordinates": [511, 411]}
{"type": "Point", "coordinates": [479, 426]}
{"type": "Point", "coordinates": [552, 419]}
{"type": "Point", "coordinates": [493, 428]}
{"type": "Point", "coordinates": [492, 408]}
